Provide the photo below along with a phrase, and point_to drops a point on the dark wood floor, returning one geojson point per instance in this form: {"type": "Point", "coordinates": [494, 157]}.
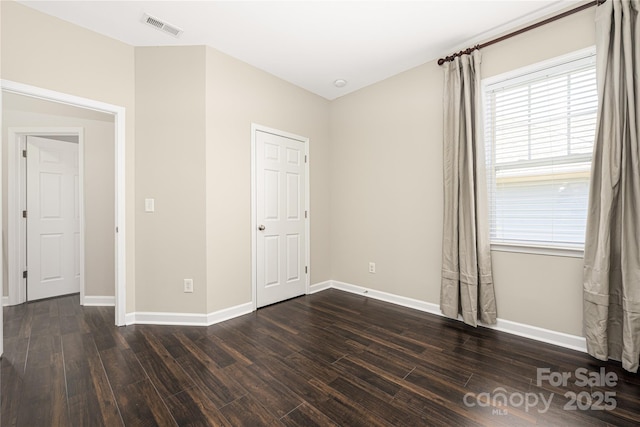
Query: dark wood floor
{"type": "Point", "coordinates": [331, 358]}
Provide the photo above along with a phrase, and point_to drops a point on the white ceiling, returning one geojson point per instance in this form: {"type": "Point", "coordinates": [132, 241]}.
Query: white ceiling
{"type": "Point", "coordinates": [312, 43]}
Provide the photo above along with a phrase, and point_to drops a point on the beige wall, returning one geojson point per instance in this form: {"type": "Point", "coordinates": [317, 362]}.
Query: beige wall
{"type": "Point", "coordinates": [43, 51]}
{"type": "Point", "coordinates": [386, 147]}
{"type": "Point", "coordinates": [202, 232]}
{"type": "Point", "coordinates": [170, 168]}
{"type": "Point", "coordinates": [375, 171]}
{"type": "Point", "coordinates": [194, 110]}
{"type": "Point", "coordinates": [99, 179]}
{"type": "Point", "coordinates": [238, 95]}
{"type": "Point", "coordinates": [386, 179]}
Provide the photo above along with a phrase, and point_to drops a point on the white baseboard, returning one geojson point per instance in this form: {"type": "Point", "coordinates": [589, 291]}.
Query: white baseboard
{"type": "Point", "coordinates": [5, 301]}
{"type": "Point", "coordinates": [160, 318]}
{"type": "Point", "coordinates": [187, 319]}
{"type": "Point", "coordinates": [561, 339]}
{"type": "Point", "coordinates": [130, 319]}
{"type": "Point", "coordinates": [91, 300]}
{"type": "Point", "coordinates": [387, 297]}
{"type": "Point", "coordinates": [548, 336]}
{"type": "Point", "coordinates": [319, 287]}
{"type": "Point", "coordinates": [229, 313]}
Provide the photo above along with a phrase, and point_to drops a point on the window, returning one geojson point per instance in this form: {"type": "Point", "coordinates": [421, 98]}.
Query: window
{"type": "Point", "coordinates": [539, 132]}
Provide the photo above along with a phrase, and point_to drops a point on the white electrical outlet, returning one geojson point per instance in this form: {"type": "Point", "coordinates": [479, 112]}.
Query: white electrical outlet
{"type": "Point", "coordinates": [188, 285]}
{"type": "Point", "coordinates": [372, 267]}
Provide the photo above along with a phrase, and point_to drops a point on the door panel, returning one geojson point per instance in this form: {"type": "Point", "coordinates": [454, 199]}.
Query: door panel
{"type": "Point", "coordinates": [53, 218]}
{"type": "Point", "coordinates": [281, 245]}
{"type": "Point", "coordinates": [293, 257]}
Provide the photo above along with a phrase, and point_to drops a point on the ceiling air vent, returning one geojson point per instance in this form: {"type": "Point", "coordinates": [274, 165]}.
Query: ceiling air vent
{"type": "Point", "coordinates": [154, 22]}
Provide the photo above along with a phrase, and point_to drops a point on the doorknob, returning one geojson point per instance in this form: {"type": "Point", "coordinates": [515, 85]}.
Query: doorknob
{"type": "Point", "coordinates": [261, 227]}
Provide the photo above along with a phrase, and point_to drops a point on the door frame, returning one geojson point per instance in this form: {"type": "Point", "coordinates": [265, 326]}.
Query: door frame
{"type": "Point", "coordinates": [118, 113]}
{"type": "Point", "coordinates": [254, 208]}
{"type": "Point", "coordinates": [16, 202]}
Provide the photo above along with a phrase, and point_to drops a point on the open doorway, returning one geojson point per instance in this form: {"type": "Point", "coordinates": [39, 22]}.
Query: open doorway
{"type": "Point", "coordinates": [42, 113]}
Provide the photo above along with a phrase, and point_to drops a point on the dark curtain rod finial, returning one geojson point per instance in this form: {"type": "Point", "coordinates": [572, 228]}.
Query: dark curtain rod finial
{"type": "Point", "coordinates": [520, 31]}
{"type": "Point", "coordinates": [455, 55]}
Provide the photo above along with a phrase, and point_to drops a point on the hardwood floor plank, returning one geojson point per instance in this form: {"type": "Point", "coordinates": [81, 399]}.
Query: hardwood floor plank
{"type": "Point", "coordinates": [377, 403]}
{"type": "Point", "coordinates": [330, 358]}
{"type": "Point", "coordinates": [246, 411]}
{"type": "Point", "coordinates": [322, 345]}
{"type": "Point", "coordinates": [271, 318]}
{"type": "Point", "coordinates": [586, 410]}
{"type": "Point", "coordinates": [233, 339]}
{"type": "Point", "coordinates": [302, 316]}
{"type": "Point", "coordinates": [165, 373]}
{"type": "Point", "coordinates": [346, 334]}
{"type": "Point", "coordinates": [308, 367]}
{"type": "Point", "coordinates": [15, 354]}
{"type": "Point", "coordinates": [69, 306]}
{"type": "Point", "coordinates": [307, 415]}
{"type": "Point", "coordinates": [337, 406]}
{"type": "Point", "coordinates": [122, 367]}
{"type": "Point", "coordinates": [11, 386]}
{"type": "Point", "coordinates": [297, 374]}
{"type": "Point", "coordinates": [558, 415]}
{"type": "Point", "coordinates": [135, 339]}
{"type": "Point", "coordinates": [371, 375]}
{"type": "Point", "coordinates": [388, 364]}
{"type": "Point", "coordinates": [265, 336]}
{"type": "Point", "coordinates": [439, 335]}
{"type": "Point", "coordinates": [140, 405]}
{"type": "Point", "coordinates": [439, 364]}
{"type": "Point", "coordinates": [104, 391]}
{"type": "Point", "coordinates": [23, 312]}
{"type": "Point", "coordinates": [212, 380]}
{"type": "Point", "coordinates": [15, 322]}
{"type": "Point", "coordinates": [343, 315]}
{"type": "Point", "coordinates": [94, 322]}
{"type": "Point", "coordinates": [192, 408]}
{"type": "Point", "coordinates": [237, 355]}
{"type": "Point", "coordinates": [91, 400]}
{"type": "Point", "coordinates": [84, 407]}
{"type": "Point", "coordinates": [281, 345]}
{"type": "Point", "coordinates": [70, 324]}
{"type": "Point", "coordinates": [278, 399]}
{"type": "Point", "coordinates": [436, 413]}
{"type": "Point", "coordinates": [497, 368]}
{"type": "Point", "coordinates": [45, 324]}
{"type": "Point", "coordinates": [43, 400]}
{"type": "Point", "coordinates": [167, 339]}
{"type": "Point", "coordinates": [213, 350]}
{"type": "Point", "coordinates": [161, 368]}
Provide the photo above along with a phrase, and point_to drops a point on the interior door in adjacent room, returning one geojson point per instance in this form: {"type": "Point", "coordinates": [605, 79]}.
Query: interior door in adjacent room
{"type": "Point", "coordinates": [281, 216]}
{"type": "Point", "coordinates": [53, 218]}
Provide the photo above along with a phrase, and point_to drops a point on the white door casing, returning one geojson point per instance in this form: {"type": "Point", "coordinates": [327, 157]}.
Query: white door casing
{"type": "Point", "coordinates": [16, 255]}
{"type": "Point", "coordinates": [53, 218]}
{"type": "Point", "coordinates": [120, 194]}
{"type": "Point", "coordinates": [280, 217]}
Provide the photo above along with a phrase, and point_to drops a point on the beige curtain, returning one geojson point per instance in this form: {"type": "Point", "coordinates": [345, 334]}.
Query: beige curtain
{"type": "Point", "coordinates": [612, 252]}
{"type": "Point", "coordinates": [467, 283]}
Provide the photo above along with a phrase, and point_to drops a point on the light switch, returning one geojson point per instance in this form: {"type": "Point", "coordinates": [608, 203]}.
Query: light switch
{"type": "Point", "coordinates": [149, 205]}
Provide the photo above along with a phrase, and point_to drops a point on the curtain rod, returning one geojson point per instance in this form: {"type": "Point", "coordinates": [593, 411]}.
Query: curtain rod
{"type": "Point", "coordinates": [520, 31]}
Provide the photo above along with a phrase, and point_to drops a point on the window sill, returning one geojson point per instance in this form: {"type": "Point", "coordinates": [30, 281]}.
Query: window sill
{"type": "Point", "coordinates": [569, 251]}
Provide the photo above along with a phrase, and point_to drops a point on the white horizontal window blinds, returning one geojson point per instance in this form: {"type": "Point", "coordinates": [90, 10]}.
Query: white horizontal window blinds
{"type": "Point", "coordinates": [539, 133]}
